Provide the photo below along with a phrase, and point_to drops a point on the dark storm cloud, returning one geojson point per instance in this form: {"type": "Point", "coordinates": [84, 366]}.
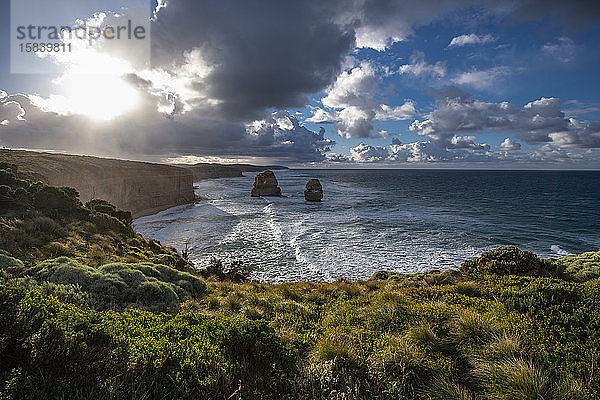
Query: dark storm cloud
{"type": "Point", "coordinates": [575, 13]}
{"type": "Point", "coordinates": [267, 54]}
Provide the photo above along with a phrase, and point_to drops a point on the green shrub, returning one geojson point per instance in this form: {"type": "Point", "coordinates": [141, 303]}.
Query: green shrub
{"type": "Point", "coordinates": [335, 347]}
{"type": "Point", "coordinates": [515, 379]}
{"type": "Point", "coordinates": [9, 263]}
{"type": "Point", "coordinates": [470, 327]}
{"type": "Point", "coordinates": [150, 286]}
{"type": "Point", "coordinates": [445, 389]}
{"type": "Point", "coordinates": [103, 206]}
{"type": "Point", "coordinates": [424, 335]}
{"type": "Point", "coordinates": [582, 267]}
{"type": "Point", "coordinates": [402, 363]}
{"type": "Point", "coordinates": [509, 260]}
{"type": "Point", "coordinates": [55, 350]}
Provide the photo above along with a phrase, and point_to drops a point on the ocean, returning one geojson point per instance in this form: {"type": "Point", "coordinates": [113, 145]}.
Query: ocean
{"type": "Point", "coordinates": [372, 220]}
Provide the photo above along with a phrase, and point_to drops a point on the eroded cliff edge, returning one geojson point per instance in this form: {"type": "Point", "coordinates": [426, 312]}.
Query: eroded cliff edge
{"type": "Point", "coordinates": [140, 187]}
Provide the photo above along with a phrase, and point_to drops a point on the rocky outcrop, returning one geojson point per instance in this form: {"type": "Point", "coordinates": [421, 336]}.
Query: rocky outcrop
{"type": "Point", "coordinates": [140, 187]}
{"type": "Point", "coordinates": [265, 184]}
{"type": "Point", "coordinates": [314, 190]}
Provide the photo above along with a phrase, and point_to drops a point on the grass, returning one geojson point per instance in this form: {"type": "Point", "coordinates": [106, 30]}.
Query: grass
{"type": "Point", "coordinates": [89, 309]}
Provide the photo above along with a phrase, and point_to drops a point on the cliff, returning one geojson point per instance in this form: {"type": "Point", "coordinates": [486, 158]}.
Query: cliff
{"type": "Point", "coordinates": [140, 187]}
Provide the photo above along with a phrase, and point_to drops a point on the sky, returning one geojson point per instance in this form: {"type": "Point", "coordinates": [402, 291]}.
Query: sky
{"type": "Point", "coordinates": [319, 83]}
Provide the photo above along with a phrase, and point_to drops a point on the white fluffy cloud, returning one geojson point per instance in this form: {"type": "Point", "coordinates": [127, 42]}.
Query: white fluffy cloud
{"type": "Point", "coordinates": [483, 79]}
{"type": "Point", "coordinates": [419, 67]}
{"type": "Point", "coordinates": [352, 106]}
{"type": "Point", "coordinates": [354, 88]}
{"type": "Point", "coordinates": [540, 121]}
{"type": "Point", "coordinates": [367, 153]}
{"type": "Point", "coordinates": [425, 152]}
{"type": "Point", "coordinates": [471, 38]}
{"type": "Point", "coordinates": [418, 152]}
{"type": "Point", "coordinates": [509, 145]}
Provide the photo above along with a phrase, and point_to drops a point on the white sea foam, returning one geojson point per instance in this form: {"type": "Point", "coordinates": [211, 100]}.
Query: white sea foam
{"type": "Point", "coordinates": [558, 250]}
{"type": "Point", "coordinates": [366, 223]}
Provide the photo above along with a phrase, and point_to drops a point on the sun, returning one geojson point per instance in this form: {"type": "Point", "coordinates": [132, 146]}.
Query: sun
{"type": "Point", "coordinates": [101, 97]}
{"type": "Point", "coordinates": [93, 86]}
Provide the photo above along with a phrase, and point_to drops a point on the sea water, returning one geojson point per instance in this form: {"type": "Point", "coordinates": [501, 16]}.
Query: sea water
{"type": "Point", "coordinates": [373, 220]}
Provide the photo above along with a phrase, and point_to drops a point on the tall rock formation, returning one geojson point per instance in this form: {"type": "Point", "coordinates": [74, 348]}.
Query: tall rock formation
{"type": "Point", "coordinates": [314, 190]}
{"type": "Point", "coordinates": [265, 184]}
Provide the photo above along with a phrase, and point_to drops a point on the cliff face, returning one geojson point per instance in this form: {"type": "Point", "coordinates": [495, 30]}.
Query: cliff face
{"type": "Point", "coordinates": [142, 188]}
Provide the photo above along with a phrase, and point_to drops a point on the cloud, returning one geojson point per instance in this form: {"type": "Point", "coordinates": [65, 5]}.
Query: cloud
{"type": "Point", "coordinates": [509, 145]}
{"type": "Point", "coordinates": [354, 88]}
{"type": "Point", "coordinates": [583, 134]}
{"type": "Point", "coordinates": [3, 94]}
{"type": "Point", "coordinates": [396, 113]}
{"type": "Point", "coordinates": [575, 14]}
{"type": "Point", "coordinates": [380, 23]}
{"type": "Point", "coordinates": [471, 38]}
{"type": "Point", "coordinates": [483, 79]}
{"type": "Point", "coordinates": [467, 142]}
{"type": "Point", "coordinates": [540, 121]}
{"type": "Point", "coordinates": [367, 153]}
{"type": "Point", "coordinates": [264, 54]}
{"type": "Point", "coordinates": [10, 112]}
{"type": "Point", "coordinates": [419, 67]}
{"type": "Point", "coordinates": [563, 50]}
{"type": "Point", "coordinates": [425, 152]}
{"type": "Point", "coordinates": [418, 152]}
{"type": "Point", "coordinates": [575, 107]}
{"type": "Point", "coordinates": [279, 135]}
{"type": "Point", "coordinates": [352, 106]}
{"type": "Point", "coordinates": [322, 116]}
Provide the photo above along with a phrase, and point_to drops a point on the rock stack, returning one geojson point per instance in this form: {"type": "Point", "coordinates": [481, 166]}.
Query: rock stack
{"type": "Point", "coordinates": [314, 191]}
{"type": "Point", "coordinates": [265, 184]}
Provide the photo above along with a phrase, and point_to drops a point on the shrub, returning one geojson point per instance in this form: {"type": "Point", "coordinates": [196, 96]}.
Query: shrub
{"type": "Point", "coordinates": [10, 264]}
{"type": "Point", "coordinates": [541, 294]}
{"type": "Point", "coordinates": [109, 223]}
{"type": "Point", "coordinates": [470, 327]}
{"type": "Point", "coordinates": [515, 379]}
{"type": "Point", "coordinates": [150, 286]}
{"type": "Point", "coordinates": [424, 335]}
{"type": "Point", "coordinates": [103, 206]}
{"type": "Point", "coordinates": [444, 389]}
{"type": "Point", "coordinates": [509, 260]}
{"type": "Point", "coordinates": [334, 347]}
{"type": "Point", "coordinates": [582, 267]}
{"type": "Point", "coordinates": [503, 346]}
{"type": "Point", "coordinates": [401, 362]}
{"type": "Point", "coordinates": [61, 200]}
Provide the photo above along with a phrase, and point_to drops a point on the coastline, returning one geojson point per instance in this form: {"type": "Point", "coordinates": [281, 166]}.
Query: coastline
{"type": "Point", "coordinates": [143, 188]}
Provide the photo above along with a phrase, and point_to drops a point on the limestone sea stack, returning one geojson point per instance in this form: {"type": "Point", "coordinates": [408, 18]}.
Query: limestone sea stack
{"type": "Point", "coordinates": [265, 184]}
{"type": "Point", "coordinates": [314, 191]}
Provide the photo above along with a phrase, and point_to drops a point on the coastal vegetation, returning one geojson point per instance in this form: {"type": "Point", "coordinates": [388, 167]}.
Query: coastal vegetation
{"type": "Point", "coordinates": [90, 309]}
